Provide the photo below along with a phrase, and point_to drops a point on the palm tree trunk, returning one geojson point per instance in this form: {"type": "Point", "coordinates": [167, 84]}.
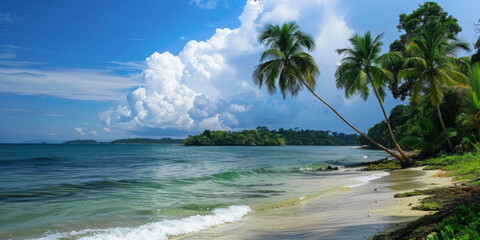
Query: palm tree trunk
{"type": "Point", "coordinates": [358, 131]}
{"type": "Point", "coordinates": [443, 125]}
{"type": "Point", "coordinates": [408, 160]}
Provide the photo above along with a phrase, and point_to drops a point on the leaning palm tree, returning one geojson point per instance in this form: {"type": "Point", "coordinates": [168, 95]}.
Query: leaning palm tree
{"type": "Point", "coordinates": [432, 55]}
{"type": "Point", "coordinates": [285, 64]}
{"type": "Point", "coordinates": [361, 67]}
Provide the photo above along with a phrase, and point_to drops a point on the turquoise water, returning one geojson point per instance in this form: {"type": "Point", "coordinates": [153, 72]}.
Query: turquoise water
{"type": "Point", "coordinates": [155, 191]}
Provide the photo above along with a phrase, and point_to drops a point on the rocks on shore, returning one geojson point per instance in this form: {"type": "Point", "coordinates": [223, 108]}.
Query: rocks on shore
{"type": "Point", "coordinates": [328, 168]}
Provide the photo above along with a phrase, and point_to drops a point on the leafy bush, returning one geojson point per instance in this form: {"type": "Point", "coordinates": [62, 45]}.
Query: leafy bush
{"type": "Point", "coordinates": [464, 225]}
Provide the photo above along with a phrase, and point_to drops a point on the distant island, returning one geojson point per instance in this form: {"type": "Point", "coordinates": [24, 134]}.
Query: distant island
{"type": "Point", "coordinates": [79, 142]}
{"type": "Point", "coordinates": [262, 136]}
{"type": "Point", "coordinates": [148, 141]}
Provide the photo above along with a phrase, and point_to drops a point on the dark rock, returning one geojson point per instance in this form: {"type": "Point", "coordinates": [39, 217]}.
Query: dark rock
{"type": "Point", "coordinates": [328, 168]}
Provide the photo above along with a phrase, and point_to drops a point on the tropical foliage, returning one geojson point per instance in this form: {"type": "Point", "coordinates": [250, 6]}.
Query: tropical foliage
{"type": "Point", "coordinates": [461, 167]}
{"type": "Point", "coordinates": [428, 16]}
{"type": "Point", "coordinates": [286, 64]}
{"type": "Point", "coordinates": [443, 116]}
{"type": "Point", "coordinates": [470, 116]}
{"type": "Point", "coordinates": [465, 224]}
{"type": "Point", "coordinates": [243, 138]}
{"type": "Point", "coordinates": [418, 120]}
{"type": "Point", "coordinates": [262, 136]}
{"type": "Point", "coordinates": [361, 69]}
{"type": "Point", "coordinates": [476, 55]}
{"type": "Point", "coordinates": [316, 137]}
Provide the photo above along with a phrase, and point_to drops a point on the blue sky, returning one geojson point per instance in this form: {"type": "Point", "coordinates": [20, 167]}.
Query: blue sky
{"type": "Point", "coordinates": [112, 69]}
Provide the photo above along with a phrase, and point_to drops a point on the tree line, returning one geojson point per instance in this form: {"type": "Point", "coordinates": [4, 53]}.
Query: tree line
{"type": "Point", "coordinates": [422, 65]}
{"type": "Point", "coordinates": [262, 136]}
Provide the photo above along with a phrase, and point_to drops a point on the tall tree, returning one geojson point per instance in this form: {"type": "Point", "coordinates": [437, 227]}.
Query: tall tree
{"type": "Point", "coordinates": [285, 64]}
{"type": "Point", "coordinates": [471, 113]}
{"type": "Point", "coordinates": [476, 55]}
{"type": "Point", "coordinates": [429, 15]}
{"type": "Point", "coordinates": [431, 62]}
{"type": "Point", "coordinates": [361, 67]}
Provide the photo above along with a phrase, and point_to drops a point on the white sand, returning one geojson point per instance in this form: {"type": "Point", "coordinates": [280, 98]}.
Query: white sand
{"type": "Point", "coordinates": [355, 214]}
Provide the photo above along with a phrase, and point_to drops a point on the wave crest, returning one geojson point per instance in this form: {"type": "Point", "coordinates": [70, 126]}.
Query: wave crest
{"type": "Point", "coordinates": [160, 230]}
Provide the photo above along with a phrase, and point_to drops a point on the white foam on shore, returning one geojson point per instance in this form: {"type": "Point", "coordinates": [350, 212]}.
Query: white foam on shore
{"type": "Point", "coordinates": [362, 180]}
{"type": "Point", "coordinates": [160, 230]}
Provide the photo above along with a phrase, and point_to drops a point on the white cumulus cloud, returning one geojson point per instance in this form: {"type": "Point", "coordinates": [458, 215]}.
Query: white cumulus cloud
{"type": "Point", "coordinates": [80, 131]}
{"type": "Point", "coordinates": [208, 84]}
{"type": "Point", "coordinates": [208, 4]}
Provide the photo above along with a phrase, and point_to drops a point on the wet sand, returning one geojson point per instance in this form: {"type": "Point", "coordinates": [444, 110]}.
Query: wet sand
{"type": "Point", "coordinates": [357, 213]}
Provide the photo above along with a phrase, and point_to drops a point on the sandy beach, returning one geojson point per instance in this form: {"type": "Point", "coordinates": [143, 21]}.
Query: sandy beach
{"type": "Point", "coordinates": [356, 213]}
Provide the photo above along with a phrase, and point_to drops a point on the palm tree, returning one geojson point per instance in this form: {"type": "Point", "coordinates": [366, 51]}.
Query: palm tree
{"type": "Point", "coordinates": [471, 113]}
{"type": "Point", "coordinates": [361, 67]}
{"type": "Point", "coordinates": [286, 64]}
{"type": "Point", "coordinates": [432, 55]}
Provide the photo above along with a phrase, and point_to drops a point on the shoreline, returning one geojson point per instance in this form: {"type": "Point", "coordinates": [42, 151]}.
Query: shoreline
{"type": "Point", "coordinates": [370, 209]}
{"type": "Point", "coordinates": [400, 209]}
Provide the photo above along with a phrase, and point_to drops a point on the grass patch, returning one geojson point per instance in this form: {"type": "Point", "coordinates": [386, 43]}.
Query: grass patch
{"type": "Point", "coordinates": [429, 206]}
{"type": "Point", "coordinates": [461, 167]}
{"type": "Point", "coordinates": [383, 165]}
{"type": "Point", "coordinates": [409, 194]}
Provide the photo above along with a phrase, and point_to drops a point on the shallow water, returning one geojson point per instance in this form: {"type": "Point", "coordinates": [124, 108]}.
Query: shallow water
{"type": "Point", "coordinates": [156, 191]}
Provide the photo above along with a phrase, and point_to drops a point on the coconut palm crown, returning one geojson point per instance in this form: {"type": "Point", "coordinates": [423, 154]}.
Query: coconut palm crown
{"type": "Point", "coordinates": [361, 66]}
{"type": "Point", "coordinates": [285, 63]}
{"type": "Point", "coordinates": [432, 55]}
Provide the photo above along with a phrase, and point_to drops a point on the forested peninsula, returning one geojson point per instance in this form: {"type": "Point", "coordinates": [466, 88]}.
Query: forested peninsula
{"type": "Point", "coordinates": [262, 136]}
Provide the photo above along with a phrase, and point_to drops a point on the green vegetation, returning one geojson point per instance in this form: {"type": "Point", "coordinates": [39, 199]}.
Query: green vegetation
{"type": "Point", "coordinates": [455, 208]}
{"type": "Point", "coordinates": [476, 55]}
{"type": "Point", "coordinates": [465, 224]}
{"type": "Point", "coordinates": [444, 115]}
{"type": "Point", "coordinates": [418, 128]}
{"type": "Point", "coordinates": [81, 142]}
{"type": "Point", "coordinates": [428, 16]}
{"type": "Point", "coordinates": [262, 136]}
{"type": "Point", "coordinates": [461, 167]}
{"type": "Point", "coordinates": [383, 165]}
{"type": "Point", "coordinates": [430, 60]}
{"type": "Point", "coordinates": [361, 68]}
{"type": "Point", "coordinates": [147, 141]}
{"type": "Point", "coordinates": [315, 137]}
{"type": "Point", "coordinates": [286, 64]}
{"type": "Point", "coordinates": [243, 138]}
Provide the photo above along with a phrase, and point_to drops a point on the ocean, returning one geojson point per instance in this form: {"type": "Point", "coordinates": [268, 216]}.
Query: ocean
{"type": "Point", "coordinates": [108, 191]}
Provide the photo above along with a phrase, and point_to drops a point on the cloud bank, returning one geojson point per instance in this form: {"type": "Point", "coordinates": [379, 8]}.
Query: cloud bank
{"type": "Point", "coordinates": [78, 84]}
{"type": "Point", "coordinates": [208, 84]}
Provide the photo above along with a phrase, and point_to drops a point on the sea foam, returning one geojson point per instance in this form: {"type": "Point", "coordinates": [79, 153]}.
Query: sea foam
{"type": "Point", "coordinates": [362, 180]}
{"type": "Point", "coordinates": [160, 230]}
